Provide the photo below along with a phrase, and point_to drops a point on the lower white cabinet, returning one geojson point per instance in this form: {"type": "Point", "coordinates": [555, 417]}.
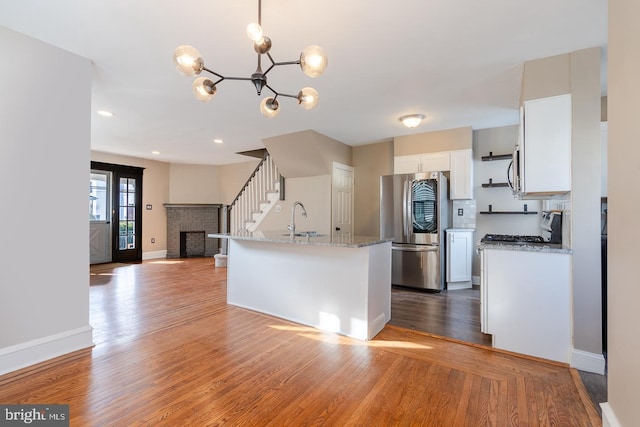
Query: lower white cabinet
{"type": "Point", "coordinates": [526, 302]}
{"type": "Point", "coordinates": [459, 258]}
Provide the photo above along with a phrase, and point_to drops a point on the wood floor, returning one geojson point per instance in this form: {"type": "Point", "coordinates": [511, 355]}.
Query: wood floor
{"type": "Point", "coordinates": [170, 352]}
{"type": "Point", "coordinates": [453, 314]}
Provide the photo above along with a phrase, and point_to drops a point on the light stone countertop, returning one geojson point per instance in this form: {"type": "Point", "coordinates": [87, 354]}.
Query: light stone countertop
{"type": "Point", "coordinates": [548, 248]}
{"type": "Point", "coordinates": [339, 240]}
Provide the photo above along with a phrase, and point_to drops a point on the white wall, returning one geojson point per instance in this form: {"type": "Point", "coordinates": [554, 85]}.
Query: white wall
{"type": "Point", "coordinates": [500, 140]}
{"type": "Point", "coordinates": [45, 131]}
{"type": "Point", "coordinates": [315, 194]}
{"type": "Point", "coordinates": [624, 205]}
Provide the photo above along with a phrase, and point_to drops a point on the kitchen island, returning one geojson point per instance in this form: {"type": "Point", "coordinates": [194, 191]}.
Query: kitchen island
{"type": "Point", "coordinates": [335, 283]}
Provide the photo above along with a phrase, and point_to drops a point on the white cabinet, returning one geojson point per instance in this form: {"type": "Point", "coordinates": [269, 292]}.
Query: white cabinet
{"type": "Point", "coordinates": [433, 162]}
{"type": "Point", "coordinates": [526, 302]}
{"type": "Point", "coordinates": [458, 162]}
{"type": "Point", "coordinates": [461, 183]}
{"type": "Point", "coordinates": [545, 146]}
{"type": "Point", "coordinates": [604, 133]}
{"type": "Point", "coordinates": [459, 258]}
{"type": "Point", "coordinates": [428, 162]}
{"type": "Point", "coordinates": [406, 164]}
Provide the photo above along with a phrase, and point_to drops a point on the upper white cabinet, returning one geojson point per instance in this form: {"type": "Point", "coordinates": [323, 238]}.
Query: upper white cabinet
{"type": "Point", "coordinates": [458, 162]}
{"type": "Point", "coordinates": [604, 131]}
{"type": "Point", "coordinates": [461, 183]}
{"type": "Point", "coordinates": [428, 162]}
{"type": "Point", "coordinates": [407, 164]}
{"type": "Point", "coordinates": [545, 147]}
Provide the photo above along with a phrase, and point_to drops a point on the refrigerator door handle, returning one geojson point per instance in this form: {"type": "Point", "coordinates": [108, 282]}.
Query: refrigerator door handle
{"type": "Point", "coordinates": [421, 248]}
{"type": "Point", "coordinates": [406, 210]}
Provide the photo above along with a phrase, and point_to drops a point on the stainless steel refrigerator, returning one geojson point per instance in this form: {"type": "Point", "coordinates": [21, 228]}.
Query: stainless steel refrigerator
{"type": "Point", "coordinates": [414, 211]}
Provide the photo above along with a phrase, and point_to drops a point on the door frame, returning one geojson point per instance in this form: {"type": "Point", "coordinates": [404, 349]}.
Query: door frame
{"type": "Point", "coordinates": [123, 171]}
{"type": "Point", "coordinates": [336, 201]}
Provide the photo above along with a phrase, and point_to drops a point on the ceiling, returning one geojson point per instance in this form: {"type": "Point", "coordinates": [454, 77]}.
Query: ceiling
{"type": "Point", "coordinates": [457, 62]}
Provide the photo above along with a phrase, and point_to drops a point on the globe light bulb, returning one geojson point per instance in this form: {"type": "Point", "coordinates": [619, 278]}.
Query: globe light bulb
{"type": "Point", "coordinates": [254, 31]}
{"type": "Point", "coordinates": [188, 60]}
{"type": "Point", "coordinates": [308, 98]}
{"type": "Point", "coordinates": [263, 45]}
{"type": "Point", "coordinates": [313, 61]}
{"type": "Point", "coordinates": [204, 89]}
{"type": "Point", "coordinates": [269, 107]}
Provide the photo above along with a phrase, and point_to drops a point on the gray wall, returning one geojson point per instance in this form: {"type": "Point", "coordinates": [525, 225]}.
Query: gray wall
{"type": "Point", "coordinates": [624, 205]}
{"type": "Point", "coordinates": [44, 169]}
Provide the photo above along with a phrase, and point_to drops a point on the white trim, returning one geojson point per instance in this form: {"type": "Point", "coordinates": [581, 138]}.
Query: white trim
{"type": "Point", "coordinates": [154, 255]}
{"type": "Point", "coordinates": [609, 418]}
{"type": "Point", "coordinates": [588, 362]}
{"type": "Point", "coordinates": [29, 353]}
{"type": "Point", "coordinates": [475, 280]}
{"type": "Point", "coordinates": [453, 286]}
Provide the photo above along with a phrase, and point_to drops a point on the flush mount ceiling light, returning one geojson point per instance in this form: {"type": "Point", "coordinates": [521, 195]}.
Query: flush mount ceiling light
{"type": "Point", "coordinates": [313, 62]}
{"type": "Point", "coordinates": [412, 120]}
{"type": "Point", "coordinates": [106, 113]}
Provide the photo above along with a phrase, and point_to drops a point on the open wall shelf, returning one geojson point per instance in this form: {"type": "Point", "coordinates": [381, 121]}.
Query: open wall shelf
{"type": "Point", "coordinates": [523, 212]}
{"type": "Point", "coordinates": [491, 184]}
{"type": "Point", "coordinates": [492, 157]}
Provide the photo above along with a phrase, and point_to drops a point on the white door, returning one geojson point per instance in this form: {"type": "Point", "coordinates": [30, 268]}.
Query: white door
{"type": "Point", "coordinates": [99, 217]}
{"type": "Point", "coordinates": [342, 199]}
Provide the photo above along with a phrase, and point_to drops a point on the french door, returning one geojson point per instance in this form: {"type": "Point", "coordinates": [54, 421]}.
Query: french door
{"type": "Point", "coordinates": [126, 210]}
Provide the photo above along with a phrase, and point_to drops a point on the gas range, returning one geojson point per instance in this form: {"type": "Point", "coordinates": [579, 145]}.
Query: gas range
{"type": "Point", "coordinates": [513, 239]}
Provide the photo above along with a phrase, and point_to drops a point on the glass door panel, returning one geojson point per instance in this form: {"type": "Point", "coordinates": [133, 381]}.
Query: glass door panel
{"type": "Point", "coordinates": [424, 204]}
{"type": "Point", "coordinates": [127, 220]}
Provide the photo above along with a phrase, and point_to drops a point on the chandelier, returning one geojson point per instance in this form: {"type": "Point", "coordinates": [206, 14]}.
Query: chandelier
{"type": "Point", "coordinates": [312, 61]}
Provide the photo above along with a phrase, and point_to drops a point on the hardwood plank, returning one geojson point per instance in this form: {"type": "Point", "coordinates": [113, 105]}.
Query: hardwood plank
{"type": "Point", "coordinates": [453, 314]}
{"type": "Point", "coordinates": [170, 351]}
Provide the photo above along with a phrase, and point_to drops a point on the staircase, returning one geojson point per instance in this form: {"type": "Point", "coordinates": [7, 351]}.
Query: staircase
{"type": "Point", "coordinates": [258, 196]}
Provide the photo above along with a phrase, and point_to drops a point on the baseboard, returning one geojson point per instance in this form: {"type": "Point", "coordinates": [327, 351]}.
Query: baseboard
{"type": "Point", "coordinates": [377, 325]}
{"type": "Point", "coordinates": [588, 362]}
{"type": "Point", "coordinates": [29, 353]}
{"type": "Point", "coordinates": [154, 255]}
{"type": "Point", "coordinates": [609, 418]}
{"type": "Point", "coordinates": [453, 286]}
{"type": "Point", "coordinates": [475, 280]}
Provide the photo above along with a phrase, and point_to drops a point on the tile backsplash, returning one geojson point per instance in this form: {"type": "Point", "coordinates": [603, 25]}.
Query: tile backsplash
{"type": "Point", "coordinates": [468, 217]}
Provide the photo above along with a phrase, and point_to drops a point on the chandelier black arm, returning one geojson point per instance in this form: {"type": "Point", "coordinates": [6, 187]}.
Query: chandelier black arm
{"type": "Point", "coordinates": [223, 77]}
{"type": "Point", "coordinates": [274, 63]}
{"type": "Point", "coordinates": [280, 94]}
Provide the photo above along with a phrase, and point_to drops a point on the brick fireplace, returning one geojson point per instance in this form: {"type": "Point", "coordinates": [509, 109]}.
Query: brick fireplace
{"type": "Point", "coordinates": [187, 227]}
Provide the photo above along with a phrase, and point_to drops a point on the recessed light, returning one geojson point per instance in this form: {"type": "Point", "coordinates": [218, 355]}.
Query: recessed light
{"type": "Point", "coordinates": [218, 141]}
{"type": "Point", "coordinates": [155, 152]}
{"type": "Point", "coordinates": [106, 113]}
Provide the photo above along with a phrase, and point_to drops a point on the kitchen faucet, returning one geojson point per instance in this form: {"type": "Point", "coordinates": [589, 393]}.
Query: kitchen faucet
{"type": "Point", "coordinates": [292, 226]}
